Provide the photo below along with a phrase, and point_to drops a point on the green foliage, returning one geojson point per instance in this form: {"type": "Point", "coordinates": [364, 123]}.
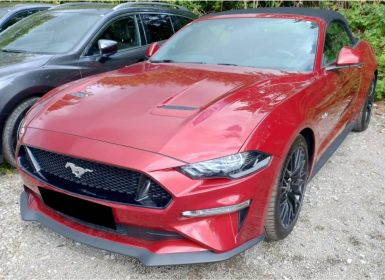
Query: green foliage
{"type": "Point", "coordinates": [366, 19]}
{"type": "Point", "coordinates": [368, 23]}
{"type": "Point", "coordinates": [5, 169]}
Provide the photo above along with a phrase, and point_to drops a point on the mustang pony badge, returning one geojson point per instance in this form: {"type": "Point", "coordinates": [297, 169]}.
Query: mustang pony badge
{"type": "Point", "coordinates": [77, 170]}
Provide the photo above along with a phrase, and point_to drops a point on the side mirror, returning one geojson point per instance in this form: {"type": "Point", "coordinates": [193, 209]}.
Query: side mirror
{"type": "Point", "coordinates": [151, 50]}
{"type": "Point", "coordinates": [347, 57]}
{"type": "Point", "coordinates": [107, 47]}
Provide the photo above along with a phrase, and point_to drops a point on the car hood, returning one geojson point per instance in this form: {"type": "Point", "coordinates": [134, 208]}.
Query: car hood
{"type": "Point", "coordinates": [11, 63]}
{"type": "Point", "coordinates": [188, 112]}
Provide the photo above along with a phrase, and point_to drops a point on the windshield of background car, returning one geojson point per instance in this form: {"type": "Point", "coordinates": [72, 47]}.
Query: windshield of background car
{"type": "Point", "coordinates": [47, 32]}
{"type": "Point", "coordinates": [3, 11]}
{"type": "Point", "coordinates": [266, 43]}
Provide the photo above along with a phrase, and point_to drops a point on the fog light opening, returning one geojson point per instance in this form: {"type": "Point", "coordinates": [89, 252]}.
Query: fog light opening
{"type": "Point", "coordinates": [241, 217]}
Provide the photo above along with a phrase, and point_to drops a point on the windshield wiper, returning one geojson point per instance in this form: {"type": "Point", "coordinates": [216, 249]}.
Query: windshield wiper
{"type": "Point", "coordinates": [195, 62]}
{"type": "Point", "coordinates": [227, 64]}
{"type": "Point", "coordinates": [174, 61]}
{"type": "Point", "coordinates": [163, 61]}
{"type": "Point", "coordinates": [12, 51]}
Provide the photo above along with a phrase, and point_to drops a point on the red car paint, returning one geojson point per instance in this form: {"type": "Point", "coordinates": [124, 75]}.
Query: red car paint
{"type": "Point", "coordinates": [119, 120]}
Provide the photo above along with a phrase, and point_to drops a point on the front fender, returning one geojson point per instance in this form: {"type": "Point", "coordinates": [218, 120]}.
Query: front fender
{"type": "Point", "coordinates": [282, 125]}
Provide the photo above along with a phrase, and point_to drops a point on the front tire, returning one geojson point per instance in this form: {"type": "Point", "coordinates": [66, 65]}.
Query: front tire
{"type": "Point", "coordinates": [288, 193]}
{"type": "Point", "coordinates": [11, 128]}
{"type": "Point", "coordinates": [365, 115]}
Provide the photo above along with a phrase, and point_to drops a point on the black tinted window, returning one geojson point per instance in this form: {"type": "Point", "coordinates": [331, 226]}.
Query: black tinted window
{"type": "Point", "coordinates": [17, 17]}
{"type": "Point", "coordinates": [336, 38]}
{"type": "Point", "coordinates": [158, 27]}
{"type": "Point", "coordinates": [179, 22]}
{"type": "Point", "coordinates": [123, 31]}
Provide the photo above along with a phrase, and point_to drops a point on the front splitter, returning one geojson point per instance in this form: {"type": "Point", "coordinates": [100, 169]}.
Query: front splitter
{"type": "Point", "coordinates": [146, 257]}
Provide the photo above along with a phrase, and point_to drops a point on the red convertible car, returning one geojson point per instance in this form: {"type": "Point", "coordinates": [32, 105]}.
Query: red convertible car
{"type": "Point", "coordinates": [205, 149]}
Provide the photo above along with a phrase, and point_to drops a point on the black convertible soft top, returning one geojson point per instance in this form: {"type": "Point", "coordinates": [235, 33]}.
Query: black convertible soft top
{"type": "Point", "coordinates": [326, 15]}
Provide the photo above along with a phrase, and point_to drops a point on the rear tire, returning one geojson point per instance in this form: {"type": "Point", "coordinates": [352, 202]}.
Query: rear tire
{"type": "Point", "coordinates": [288, 193]}
{"type": "Point", "coordinates": [11, 128]}
{"type": "Point", "coordinates": [365, 115]}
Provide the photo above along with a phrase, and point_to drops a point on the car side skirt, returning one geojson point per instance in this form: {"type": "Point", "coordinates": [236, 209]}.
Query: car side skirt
{"type": "Point", "coordinates": [331, 149]}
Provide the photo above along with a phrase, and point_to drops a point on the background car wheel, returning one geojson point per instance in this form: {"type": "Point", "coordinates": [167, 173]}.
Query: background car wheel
{"type": "Point", "coordinates": [288, 193]}
{"type": "Point", "coordinates": [10, 133]}
{"type": "Point", "coordinates": [365, 115]}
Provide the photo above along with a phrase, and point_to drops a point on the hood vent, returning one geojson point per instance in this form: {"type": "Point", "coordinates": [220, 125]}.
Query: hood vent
{"type": "Point", "coordinates": [178, 107]}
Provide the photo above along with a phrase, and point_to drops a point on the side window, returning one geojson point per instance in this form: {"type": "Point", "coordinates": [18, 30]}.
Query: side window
{"type": "Point", "coordinates": [336, 38]}
{"type": "Point", "coordinates": [179, 22]}
{"type": "Point", "coordinates": [123, 31]}
{"type": "Point", "coordinates": [18, 16]}
{"type": "Point", "coordinates": [157, 27]}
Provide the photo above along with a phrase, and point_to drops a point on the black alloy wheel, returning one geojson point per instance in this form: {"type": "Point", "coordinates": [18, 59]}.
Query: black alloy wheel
{"type": "Point", "coordinates": [292, 186]}
{"type": "Point", "coordinates": [363, 120]}
{"type": "Point", "coordinates": [288, 192]}
{"type": "Point", "coordinates": [369, 104]}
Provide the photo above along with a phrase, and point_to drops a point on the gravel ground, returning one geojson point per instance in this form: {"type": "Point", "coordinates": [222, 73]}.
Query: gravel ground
{"type": "Point", "coordinates": [340, 233]}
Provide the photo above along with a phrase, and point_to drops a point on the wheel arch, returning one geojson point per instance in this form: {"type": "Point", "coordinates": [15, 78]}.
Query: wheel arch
{"type": "Point", "coordinates": [10, 103]}
{"type": "Point", "coordinates": [309, 136]}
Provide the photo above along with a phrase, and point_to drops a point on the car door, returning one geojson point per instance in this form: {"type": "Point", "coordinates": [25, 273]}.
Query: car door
{"type": "Point", "coordinates": [339, 84]}
{"type": "Point", "coordinates": [348, 78]}
{"type": "Point", "coordinates": [126, 32]}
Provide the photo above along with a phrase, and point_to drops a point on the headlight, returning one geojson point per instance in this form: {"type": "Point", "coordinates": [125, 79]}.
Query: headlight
{"type": "Point", "coordinates": [233, 166]}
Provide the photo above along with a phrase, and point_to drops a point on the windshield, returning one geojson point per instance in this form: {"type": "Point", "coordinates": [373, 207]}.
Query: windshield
{"type": "Point", "coordinates": [47, 32]}
{"type": "Point", "coordinates": [267, 43]}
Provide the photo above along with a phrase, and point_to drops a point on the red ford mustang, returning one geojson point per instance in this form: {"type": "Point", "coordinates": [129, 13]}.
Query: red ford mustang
{"type": "Point", "coordinates": [206, 148]}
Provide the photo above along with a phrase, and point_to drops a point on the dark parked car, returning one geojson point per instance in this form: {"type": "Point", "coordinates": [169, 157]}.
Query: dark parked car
{"type": "Point", "coordinates": [69, 42]}
{"type": "Point", "coordinates": [11, 13]}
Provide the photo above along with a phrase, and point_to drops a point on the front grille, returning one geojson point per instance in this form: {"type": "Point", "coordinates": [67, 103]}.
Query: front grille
{"type": "Point", "coordinates": [93, 179]}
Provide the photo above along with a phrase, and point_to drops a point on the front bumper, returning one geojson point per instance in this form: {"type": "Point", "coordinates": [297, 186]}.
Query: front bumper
{"type": "Point", "coordinates": [146, 257]}
{"type": "Point", "coordinates": [202, 239]}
